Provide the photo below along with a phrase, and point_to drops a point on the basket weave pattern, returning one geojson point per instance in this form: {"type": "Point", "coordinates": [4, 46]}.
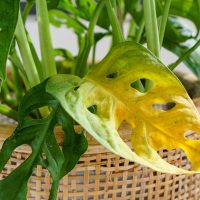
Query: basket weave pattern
{"type": "Point", "coordinates": [100, 174]}
{"type": "Point", "coordinates": [106, 176]}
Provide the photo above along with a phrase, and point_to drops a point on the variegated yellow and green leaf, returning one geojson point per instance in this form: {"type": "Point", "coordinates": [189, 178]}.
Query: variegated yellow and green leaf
{"type": "Point", "coordinates": [160, 114]}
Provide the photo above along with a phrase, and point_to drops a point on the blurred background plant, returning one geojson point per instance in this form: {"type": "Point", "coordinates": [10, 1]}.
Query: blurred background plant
{"type": "Point", "coordinates": [177, 38]}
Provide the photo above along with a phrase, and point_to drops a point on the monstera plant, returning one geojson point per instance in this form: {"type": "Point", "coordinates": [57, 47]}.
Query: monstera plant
{"type": "Point", "coordinates": [130, 84]}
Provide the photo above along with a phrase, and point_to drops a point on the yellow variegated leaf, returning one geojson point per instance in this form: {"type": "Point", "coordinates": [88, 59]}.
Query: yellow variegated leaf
{"type": "Point", "coordinates": [160, 116]}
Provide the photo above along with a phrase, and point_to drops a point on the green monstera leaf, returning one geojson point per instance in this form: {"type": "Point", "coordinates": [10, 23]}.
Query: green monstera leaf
{"type": "Point", "coordinates": [39, 135]}
{"type": "Point", "coordinates": [159, 115]}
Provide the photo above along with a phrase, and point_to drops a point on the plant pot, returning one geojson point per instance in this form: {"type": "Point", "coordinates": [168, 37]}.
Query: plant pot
{"type": "Point", "coordinates": [102, 175]}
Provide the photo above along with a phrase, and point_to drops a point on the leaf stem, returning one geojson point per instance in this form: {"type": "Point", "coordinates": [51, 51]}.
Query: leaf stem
{"type": "Point", "coordinates": [116, 28]}
{"type": "Point", "coordinates": [164, 21]}
{"type": "Point", "coordinates": [131, 30]}
{"type": "Point", "coordinates": [81, 62]}
{"type": "Point", "coordinates": [18, 84]}
{"type": "Point", "coordinates": [48, 62]}
{"type": "Point", "coordinates": [29, 64]}
{"type": "Point", "coordinates": [140, 31]}
{"type": "Point", "coordinates": [14, 58]}
{"type": "Point", "coordinates": [151, 27]}
{"type": "Point", "coordinates": [94, 53]}
{"type": "Point", "coordinates": [9, 112]}
{"type": "Point", "coordinates": [54, 189]}
{"type": "Point", "coordinates": [27, 9]}
{"type": "Point", "coordinates": [184, 56]}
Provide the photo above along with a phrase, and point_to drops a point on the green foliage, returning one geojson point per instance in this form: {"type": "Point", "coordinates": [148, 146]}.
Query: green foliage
{"type": "Point", "coordinates": [8, 19]}
{"type": "Point", "coordinates": [84, 9]}
{"type": "Point", "coordinates": [193, 60]}
{"type": "Point", "coordinates": [178, 36]}
{"type": "Point", "coordinates": [52, 4]}
{"type": "Point", "coordinates": [39, 135]}
{"type": "Point", "coordinates": [188, 9]}
{"type": "Point", "coordinates": [96, 101]}
{"type": "Point", "coordinates": [58, 18]}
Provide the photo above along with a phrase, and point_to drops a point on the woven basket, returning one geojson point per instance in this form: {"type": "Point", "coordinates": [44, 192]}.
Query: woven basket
{"type": "Point", "coordinates": [103, 175]}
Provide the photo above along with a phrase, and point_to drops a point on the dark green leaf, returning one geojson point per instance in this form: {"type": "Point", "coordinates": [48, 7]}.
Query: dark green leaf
{"type": "Point", "coordinates": [99, 36]}
{"type": "Point", "coordinates": [189, 9]}
{"type": "Point", "coordinates": [177, 31]}
{"type": "Point", "coordinates": [9, 10]}
{"type": "Point", "coordinates": [14, 187]}
{"type": "Point", "coordinates": [52, 4]}
{"type": "Point", "coordinates": [39, 135]}
{"type": "Point", "coordinates": [74, 144]}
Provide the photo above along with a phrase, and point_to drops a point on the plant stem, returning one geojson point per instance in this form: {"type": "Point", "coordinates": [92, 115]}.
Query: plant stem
{"type": "Point", "coordinates": [199, 12]}
{"type": "Point", "coordinates": [116, 28]}
{"type": "Point", "coordinates": [14, 58]}
{"type": "Point", "coordinates": [94, 53]}
{"type": "Point", "coordinates": [6, 97]}
{"type": "Point", "coordinates": [81, 63]}
{"type": "Point", "coordinates": [48, 62]}
{"type": "Point", "coordinates": [27, 9]}
{"type": "Point", "coordinates": [132, 30]}
{"type": "Point", "coordinates": [37, 61]}
{"type": "Point", "coordinates": [151, 27]}
{"type": "Point", "coordinates": [120, 11]}
{"type": "Point", "coordinates": [29, 65]}
{"type": "Point", "coordinates": [18, 84]}
{"type": "Point", "coordinates": [140, 31]}
{"type": "Point", "coordinates": [94, 21]}
{"type": "Point", "coordinates": [9, 112]}
{"type": "Point", "coordinates": [54, 189]}
{"type": "Point", "coordinates": [184, 56]}
{"type": "Point", "coordinates": [164, 21]}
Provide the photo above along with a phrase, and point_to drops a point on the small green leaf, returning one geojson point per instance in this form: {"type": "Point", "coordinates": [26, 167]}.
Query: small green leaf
{"type": "Point", "coordinates": [84, 9]}
{"type": "Point", "coordinates": [59, 18]}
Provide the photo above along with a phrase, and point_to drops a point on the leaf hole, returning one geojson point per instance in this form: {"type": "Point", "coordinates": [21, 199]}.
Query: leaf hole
{"type": "Point", "coordinates": [35, 113]}
{"type": "Point", "coordinates": [44, 157]}
{"type": "Point", "coordinates": [176, 157]}
{"type": "Point", "coordinates": [165, 107]}
{"type": "Point", "coordinates": [19, 155]}
{"type": "Point", "coordinates": [142, 85]}
{"type": "Point", "coordinates": [125, 130]}
{"type": "Point", "coordinates": [93, 109]}
{"type": "Point", "coordinates": [88, 4]}
{"type": "Point", "coordinates": [76, 88]}
{"type": "Point", "coordinates": [192, 135]}
{"type": "Point", "coordinates": [112, 75]}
